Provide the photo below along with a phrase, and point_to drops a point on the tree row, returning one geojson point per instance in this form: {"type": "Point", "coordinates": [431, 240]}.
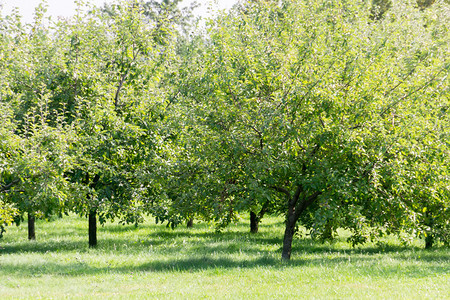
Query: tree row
{"type": "Point", "coordinates": [334, 114]}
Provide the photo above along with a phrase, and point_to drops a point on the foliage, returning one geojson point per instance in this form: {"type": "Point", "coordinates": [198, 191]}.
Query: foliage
{"type": "Point", "coordinates": [86, 104]}
{"type": "Point", "coordinates": [37, 142]}
{"type": "Point", "coordinates": [308, 105]}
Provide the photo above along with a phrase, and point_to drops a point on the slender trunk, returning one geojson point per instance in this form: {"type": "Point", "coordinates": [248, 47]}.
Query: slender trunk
{"type": "Point", "coordinates": [254, 223]}
{"type": "Point", "coordinates": [93, 229]}
{"type": "Point", "coordinates": [291, 219]}
{"type": "Point", "coordinates": [288, 234]}
{"type": "Point", "coordinates": [255, 219]}
{"type": "Point", "coordinates": [296, 207]}
{"type": "Point", "coordinates": [429, 241]}
{"type": "Point", "coordinates": [190, 223]}
{"type": "Point", "coordinates": [31, 227]}
{"type": "Point", "coordinates": [92, 216]}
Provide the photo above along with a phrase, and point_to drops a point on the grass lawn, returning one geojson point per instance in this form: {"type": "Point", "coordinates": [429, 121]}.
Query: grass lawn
{"type": "Point", "coordinates": [153, 261]}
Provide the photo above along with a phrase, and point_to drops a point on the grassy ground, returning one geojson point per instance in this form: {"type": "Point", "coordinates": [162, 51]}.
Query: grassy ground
{"type": "Point", "coordinates": [152, 261]}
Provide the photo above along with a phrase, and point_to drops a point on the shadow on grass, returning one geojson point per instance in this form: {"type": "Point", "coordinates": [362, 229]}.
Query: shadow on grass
{"type": "Point", "coordinates": [216, 243]}
{"type": "Point", "coordinates": [205, 250]}
{"type": "Point", "coordinates": [197, 240]}
{"type": "Point", "coordinates": [206, 257]}
{"type": "Point", "coordinates": [114, 237]}
{"type": "Point", "coordinates": [78, 267]}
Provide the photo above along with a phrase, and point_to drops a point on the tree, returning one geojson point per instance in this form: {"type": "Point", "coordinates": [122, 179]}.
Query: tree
{"type": "Point", "coordinates": [114, 76]}
{"type": "Point", "coordinates": [121, 117]}
{"type": "Point", "coordinates": [7, 148]}
{"type": "Point", "coordinates": [302, 103]}
{"type": "Point", "coordinates": [88, 90]}
{"type": "Point", "coordinates": [39, 139]}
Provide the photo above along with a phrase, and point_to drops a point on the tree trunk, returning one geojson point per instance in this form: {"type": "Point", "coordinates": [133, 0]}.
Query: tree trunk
{"type": "Point", "coordinates": [296, 207]}
{"type": "Point", "coordinates": [288, 234]}
{"type": "Point", "coordinates": [92, 229]}
{"type": "Point", "coordinates": [429, 241]}
{"type": "Point", "coordinates": [255, 219]}
{"type": "Point", "coordinates": [92, 213]}
{"type": "Point", "coordinates": [429, 238]}
{"type": "Point", "coordinates": [190, 223]}
{"type": "Point", "coordinates": [31, 227]}
{"type": "Point", "coordinates": [254, 222]}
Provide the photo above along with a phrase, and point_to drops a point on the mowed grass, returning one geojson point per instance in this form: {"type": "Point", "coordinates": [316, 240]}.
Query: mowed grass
{"type": "Point", "coordinates": [155, 262]}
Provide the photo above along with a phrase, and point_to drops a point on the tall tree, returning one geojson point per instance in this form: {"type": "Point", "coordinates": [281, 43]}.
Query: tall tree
{"type": "Point", "coordinates": [41, 140]}
{"type": "Point", "coordinates": [121, 114]}
{"type": "Point", "coordinates": [303, 103]}
{"type": "Point", "coordinates": [114, 77]}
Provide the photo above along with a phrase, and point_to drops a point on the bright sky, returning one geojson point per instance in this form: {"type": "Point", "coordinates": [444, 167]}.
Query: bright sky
{"type": "Point", "coordinates": [66, 8]}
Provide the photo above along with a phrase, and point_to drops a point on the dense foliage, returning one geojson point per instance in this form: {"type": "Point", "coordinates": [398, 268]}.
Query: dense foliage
{"type": "Point", "coordinates": [331, 113]}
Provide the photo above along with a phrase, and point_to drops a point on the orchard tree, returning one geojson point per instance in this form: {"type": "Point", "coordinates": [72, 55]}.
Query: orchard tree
{"type": "Point", "coordinates": [189, 188]}
{"type": "Point", "coordinates": [8, 147]}
{"type": "Point", "coordinates": [304, 103]}
{"type": "Point", "coordinates": [40, 141]}
{"type": "Point", "coordinates": [120, 109]}
{"type": "Point", "coordinates": [88, 90]}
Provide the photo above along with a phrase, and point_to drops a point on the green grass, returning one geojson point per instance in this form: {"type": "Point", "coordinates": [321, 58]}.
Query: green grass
{"type": "Point", "coordinates": [153, 261]}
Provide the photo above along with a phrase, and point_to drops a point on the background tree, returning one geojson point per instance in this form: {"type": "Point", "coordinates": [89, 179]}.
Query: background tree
{"type": "Point", "coordinates": [41, 140]}
{"type": "Point", "coordinates": [125, 133]}
{"type": "Point", "coordinates": [117, 116]}
{"type": "Point", "coordinates": [8, 147]}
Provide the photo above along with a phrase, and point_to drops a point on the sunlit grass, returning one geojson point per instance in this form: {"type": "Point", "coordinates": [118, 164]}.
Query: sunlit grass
{"type": "Point", "coordinates": [152, 261]}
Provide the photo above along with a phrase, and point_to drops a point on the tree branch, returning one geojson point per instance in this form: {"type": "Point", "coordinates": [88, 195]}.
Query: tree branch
{"type": "Point", "coordinates": [5, 188]}
{"type": "Point", "coordinates": [263, 210]}
{"type": "Point", "coordinates": [122, 79]}
{"type": "Point", "coordinates": [282, 190]}
{"type": "Point", "coordinates": [305, 203]}
{"type": "Point", "coordinates": [383, 112]}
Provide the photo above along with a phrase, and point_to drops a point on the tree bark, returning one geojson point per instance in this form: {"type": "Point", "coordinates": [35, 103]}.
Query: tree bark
{"type": "Point", "coordinates": [31, 227]}
{"type": "Point", "coordinates": [291, 219]}
{"type": "Point", "coordinates": [429, 241]}
{"type": "Point", "coordinates": [289, 232]}
{"type": "Point", "coordinates": [254, 223]}
{"type": "Point", "coordinates": [92, 229]}
{"type": "Point", "coordinates": [288, 238]}
{"type": "Point", "coordinates": [255, 219]}
{"type": "Point", "coordinates": [190, 223]}
{"type": "Point", "coordinates": [295, 209]}
{"type": "Point", "coordinates": [92, 213]}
